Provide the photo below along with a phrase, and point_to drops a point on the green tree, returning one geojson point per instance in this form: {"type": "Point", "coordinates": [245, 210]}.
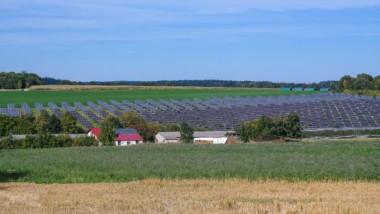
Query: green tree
{"type": "Point", "coordinates": [333, 86]}
{"type": "Point", "coordinates": [152, 130]}
{"type": "Point", "coordinates": [54, 125]}
{"type": "Point", "coordinates": [344, 82]}
{"type": "Point", "coordinates": [172, 128]}
{"type": "Point", "coordinates": [293, 126]}
{"type": "Point", "coordinates": [108, 134]}
{"type": "Point", "coordinates": [363, 81]}
{"type": "Point", "coordinates": [114, 120]}
{"type": "Point", "coordinates": [41, 123]}
{"type": "Point", "coordinates": [69, 123]}
{"type": "Point", "coordinates": [131, 119]}
{"type": "Point", "coordinates": [376, 83]}
{"type": "Point", "coordinates": [186, 133]}
{"type": "Point", "coordinates": [7, 125]}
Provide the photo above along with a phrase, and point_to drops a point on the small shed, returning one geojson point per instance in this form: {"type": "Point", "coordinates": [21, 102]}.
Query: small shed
{"type": "Point", "coordinates": [286, 89]}
{"type": "Point", "coordinates": [324, 89]}
{"type": "Point", "coordinates": [297, 89]}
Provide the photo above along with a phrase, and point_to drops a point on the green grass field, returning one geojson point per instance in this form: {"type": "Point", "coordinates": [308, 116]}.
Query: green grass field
{"type": "Point", "coordinates": [31, 97]}
{"type": "Point", "coordinates": [344, 160]}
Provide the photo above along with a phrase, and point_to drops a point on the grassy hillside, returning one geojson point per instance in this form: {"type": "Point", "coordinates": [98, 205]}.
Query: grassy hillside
{"type": "Point", "coordinates": [349, 160]}
{"type": "Point", "coordinates": [71, 96]}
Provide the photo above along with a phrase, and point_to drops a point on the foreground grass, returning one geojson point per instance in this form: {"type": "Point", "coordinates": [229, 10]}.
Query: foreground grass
{"type": "Point", "coordinates": [349, 160]}
{"type": "Point", "coordinates": [192, 196]}
{"type": "Point", "coordinates": [44, 97]}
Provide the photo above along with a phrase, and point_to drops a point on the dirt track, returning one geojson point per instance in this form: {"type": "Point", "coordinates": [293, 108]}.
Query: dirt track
{"type": "Point", "coordinates": [192, 196]}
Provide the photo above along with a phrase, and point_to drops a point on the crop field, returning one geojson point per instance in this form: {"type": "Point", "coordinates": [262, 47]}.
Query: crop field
{"type": "Point", "coordinates": [71, 96]}
{"type": "Point", "coordinates": [298, 161]}
{"type": "Point", "coordinates": [192, 196]}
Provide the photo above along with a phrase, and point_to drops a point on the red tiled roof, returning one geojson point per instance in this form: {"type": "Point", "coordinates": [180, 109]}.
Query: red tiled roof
{"type": "Point", "coordinates": [96, 131]}
{"type": "Point", "coordinates": [129, 137]}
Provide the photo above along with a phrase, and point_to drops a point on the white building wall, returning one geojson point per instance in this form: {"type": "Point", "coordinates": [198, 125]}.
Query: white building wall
{"type": "Point", "coordinates": [222, 140]}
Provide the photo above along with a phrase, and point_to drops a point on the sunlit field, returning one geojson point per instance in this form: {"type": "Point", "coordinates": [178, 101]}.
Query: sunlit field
{"type": "Point", "coordinates": [192, 196]}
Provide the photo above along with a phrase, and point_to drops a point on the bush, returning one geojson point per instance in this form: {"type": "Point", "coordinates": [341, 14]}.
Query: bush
{"type": "Point", "coordinates": [270, 128]}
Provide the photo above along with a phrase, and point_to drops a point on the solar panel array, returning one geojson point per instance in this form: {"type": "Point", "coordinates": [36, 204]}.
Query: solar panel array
{"type": "Point", "coordinates": [26, 108]}
{"type": "Point", "coordinates": [12, 112]}
{"type": "Point", "coordinates": [88, 124]}
{"type": "Point", "coordinates": [39, 106]}
{"type": "Point", "coordinates": [88, 112]}
{"type": "Point", "coordinates": [110, 108]}
{"type": "Point", "coordinates": [57, 111]}
{"type": "Point", "coordinates": [318, 111]}
{"type": "Point", "coordinates": [97, 109]}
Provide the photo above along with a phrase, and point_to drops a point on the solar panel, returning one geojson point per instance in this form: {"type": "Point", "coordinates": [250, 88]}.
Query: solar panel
{"type": "Point", "coordinates": [13, 112]}
{"type": "Point", "coordinates": [126, 131]}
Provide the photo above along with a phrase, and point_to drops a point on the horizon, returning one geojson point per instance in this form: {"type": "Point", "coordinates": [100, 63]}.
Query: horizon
{"type": "Point", "coordinates": [287, 41]}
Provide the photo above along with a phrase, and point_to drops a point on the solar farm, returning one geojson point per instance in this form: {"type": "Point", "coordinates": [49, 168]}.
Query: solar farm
{"type": "Point", "coordinates": [319, 111]}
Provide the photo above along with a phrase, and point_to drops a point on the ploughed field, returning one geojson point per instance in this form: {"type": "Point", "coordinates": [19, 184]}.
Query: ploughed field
{"type": "Point", "coordinates": [296, 161]}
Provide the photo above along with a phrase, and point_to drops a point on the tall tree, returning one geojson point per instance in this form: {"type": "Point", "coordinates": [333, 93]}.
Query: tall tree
{"type": "Point", "coordinates": [54, 125]}
{"type": "Point", "coordinates": [108, 134]}
{"type": "Point", "coordinates": [69, 123]}
{"type": "Point", "coordinates": [344, 82]}
{"type": "Point", "coordinates": [42, 123]}
{"type": "Point", "coordinates": [131, 119]}
{"type": "Point", "coordinates": [114, 120]}
{"type": "Point", "coordinates": [186, 133]}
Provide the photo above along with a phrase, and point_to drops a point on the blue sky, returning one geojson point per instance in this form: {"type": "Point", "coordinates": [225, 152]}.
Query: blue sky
{"type": "Point", "coordinates": [288, 40]}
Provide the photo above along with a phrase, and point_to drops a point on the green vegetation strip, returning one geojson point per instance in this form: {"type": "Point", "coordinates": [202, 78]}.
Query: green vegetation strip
{"type": "Point", "coordinates": [347, 160]}
{"type": "Point", "coordinates": [31, 97]}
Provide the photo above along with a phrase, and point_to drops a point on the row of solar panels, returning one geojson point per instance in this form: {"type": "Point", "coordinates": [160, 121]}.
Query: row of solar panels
{"type": "Point", "coordinates": [310, 105]}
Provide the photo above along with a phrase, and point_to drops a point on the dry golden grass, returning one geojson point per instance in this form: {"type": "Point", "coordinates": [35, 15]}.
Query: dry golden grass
{"type": "Point", "coordinates": [129, 87]}
{"type": "Point", "coordinates": [192, 196]}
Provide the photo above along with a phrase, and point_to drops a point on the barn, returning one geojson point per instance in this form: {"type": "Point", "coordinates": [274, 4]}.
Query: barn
{"type": "Point", "coordinates": [200, 137]}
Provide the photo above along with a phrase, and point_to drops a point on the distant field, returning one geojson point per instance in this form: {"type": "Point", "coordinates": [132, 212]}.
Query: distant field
{"type": "Point", "coordinates": [329, 160]}
{"type": "Point", "coordinates": [71, 96]}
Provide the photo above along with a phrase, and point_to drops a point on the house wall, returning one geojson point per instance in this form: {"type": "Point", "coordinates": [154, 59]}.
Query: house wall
{"type": "Point", "coordinates": [91, 134]}
{"type": "Point", "coordinates": [221, 140]}
{"type": "Point", "coordinates": [162, 139]}
{"type": "Point", "coordinates": [127, 143]}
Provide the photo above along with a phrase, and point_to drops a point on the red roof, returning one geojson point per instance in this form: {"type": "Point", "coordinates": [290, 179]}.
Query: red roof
{"type": "Point", "coordinates": [129, 137]}
{"type": "Point", "coordinates": [96, 131]}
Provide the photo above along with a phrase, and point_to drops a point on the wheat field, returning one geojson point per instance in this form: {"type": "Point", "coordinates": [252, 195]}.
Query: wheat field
{"type": "Point", "coordinates": [192, 196]}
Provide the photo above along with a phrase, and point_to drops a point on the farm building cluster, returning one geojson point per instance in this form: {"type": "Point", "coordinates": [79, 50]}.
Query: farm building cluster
{"type": "Point", "coordinates": [124, 136]}
{"type": "Point", "coordinates": [128, 136]}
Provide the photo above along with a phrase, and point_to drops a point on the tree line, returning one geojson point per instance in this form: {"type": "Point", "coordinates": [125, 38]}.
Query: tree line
{"type": "Point", "coordinates": [40, 131]}
{"type": "Point", "coordinates": [43, 124]}
{"type": "Point", "coordinates": [13, 80]}
{"type": "Point", "coordinates": [361, 82]}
